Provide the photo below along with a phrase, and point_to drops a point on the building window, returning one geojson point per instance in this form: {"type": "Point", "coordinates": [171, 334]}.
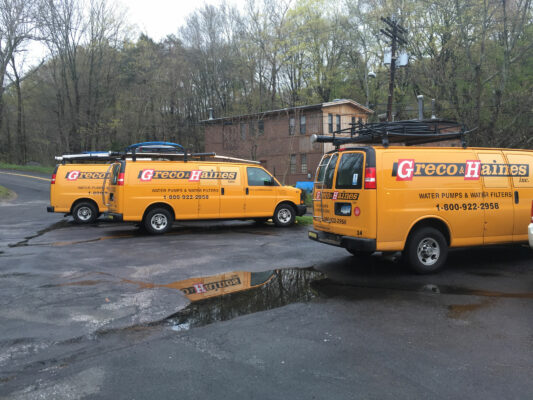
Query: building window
{"type": "Point", "coordinates": [260, 127]}
{"type": "Point", "coordinates": [302, 124]}
{"type": "Point", "coordinates": [338, 122]}
{"type": "Point", "coordinates": [330, 123]}
{"type": "Point", "coordinates": [292, 125]}
{"type": "Point", "coordinates": [293, 163]}
{"type": "Point", "coordinates": [243, 131]}
{"type": "Point", "coordinates": [303, 159]}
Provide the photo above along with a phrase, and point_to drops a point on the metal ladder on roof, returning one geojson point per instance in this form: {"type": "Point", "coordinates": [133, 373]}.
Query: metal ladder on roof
{"type": "Point", "coordinates": [319, 185]}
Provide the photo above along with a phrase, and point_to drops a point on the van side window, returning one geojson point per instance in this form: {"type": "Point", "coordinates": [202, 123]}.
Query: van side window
{"type": "Point", "coordinates": [259, 177]}
{"type": "Point", "coordinates": [350, 171]}
{"type": "Point", "coordinates": [330, 171]}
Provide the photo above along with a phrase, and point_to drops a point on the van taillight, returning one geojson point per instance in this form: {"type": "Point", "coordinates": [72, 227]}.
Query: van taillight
{"type": "Point", "coordinates": [53, 181]}
{"type": "Point", "coordinates": [120, 180]}
{"type": "Point", "coordinates": [370, 178]}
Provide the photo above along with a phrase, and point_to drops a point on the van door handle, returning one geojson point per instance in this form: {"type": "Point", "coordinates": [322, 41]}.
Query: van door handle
{"type": "Point", "coordinates": [222, 191]}
{"type": "Point", "coordinates": [247, 191]}
{"type": "Point", "coordinates": [516, 198]}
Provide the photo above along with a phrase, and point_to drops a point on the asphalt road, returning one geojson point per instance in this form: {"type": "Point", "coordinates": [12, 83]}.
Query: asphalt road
{"type": "Point", "coordinates": [84, 313]}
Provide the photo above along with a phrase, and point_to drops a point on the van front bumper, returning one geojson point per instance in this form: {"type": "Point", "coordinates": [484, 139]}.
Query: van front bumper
{"type": "Point", "coordinates": [348, 242]}
{"type": "Point", "coordinates": [301, 210]}
{"type": "Point", "coordinates": [50, 208]}
{"type": "Point", "coordinates": [530, 234]}
{"type": "Point", "coordinates": [116, 216]}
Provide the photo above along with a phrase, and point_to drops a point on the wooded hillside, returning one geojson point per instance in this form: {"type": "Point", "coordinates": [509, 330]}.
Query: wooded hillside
{"type": "Point", "coordinates": [102, 87]}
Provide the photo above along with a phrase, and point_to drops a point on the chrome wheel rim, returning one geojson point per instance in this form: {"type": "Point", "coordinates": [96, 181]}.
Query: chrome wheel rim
{"type": "Point", "coordinates": [428, 251]}
{"type": "Point", "coordinates": [284, 215]}
{"type": "Point", "coordinates": [84, 213]}
{"type": "Point", "coordinates": [159, 221]}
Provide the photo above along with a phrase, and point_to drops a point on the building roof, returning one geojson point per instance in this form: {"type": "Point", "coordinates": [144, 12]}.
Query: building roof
{"type": "Point", "coordinates": [289, 109]}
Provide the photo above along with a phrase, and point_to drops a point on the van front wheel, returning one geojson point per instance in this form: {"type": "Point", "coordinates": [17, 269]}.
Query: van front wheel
{"type": "Point", "coordinates": [284, 215]}
{"type": "Point", "coordinates": [426, 250]}
{"type": "Point", "coordinates": [158, 221]}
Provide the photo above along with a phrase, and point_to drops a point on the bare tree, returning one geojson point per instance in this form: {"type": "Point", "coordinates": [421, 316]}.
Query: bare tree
{"type": "Point", "coordinates": [17, 25]}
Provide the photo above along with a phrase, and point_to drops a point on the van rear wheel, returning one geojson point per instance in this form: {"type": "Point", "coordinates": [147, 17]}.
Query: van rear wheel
{"type": "Point", "coordinates": [158, 221]}
{"type": "Point", "coordinates": [426, 250]}
{"type": "Point", "coordinates": [84, 213]}
{"type": "Point", "coordinates": [284, 215]}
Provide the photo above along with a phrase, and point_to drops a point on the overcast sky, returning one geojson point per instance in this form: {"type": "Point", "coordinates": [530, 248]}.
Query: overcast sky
{"type": "Point", "coordinates": [159, 18]}
{"type": "Point", "coordinates": [156, 18]}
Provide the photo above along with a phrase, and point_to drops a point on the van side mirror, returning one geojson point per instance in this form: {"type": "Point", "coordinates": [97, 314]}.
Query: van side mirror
{"type": "Point", "coordinates": [268, 182]}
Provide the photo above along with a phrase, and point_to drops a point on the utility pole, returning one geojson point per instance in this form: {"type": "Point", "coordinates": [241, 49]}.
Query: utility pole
{"type": "Point", "coordinates": [395, 33]}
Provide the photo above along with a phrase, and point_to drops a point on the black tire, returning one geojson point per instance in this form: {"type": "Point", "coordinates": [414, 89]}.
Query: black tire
{"type": "Point", "coordinates": [158, 221]}
{"type": "Point", "coordinates": [426, 250]}
{"type": "Point", "coordinates": [284, 215]}
{"type": "Point", "coordinates": [84, 213]}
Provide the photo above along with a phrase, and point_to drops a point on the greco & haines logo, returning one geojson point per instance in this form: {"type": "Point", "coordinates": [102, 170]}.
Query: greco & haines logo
{"type": "Point", "coordinates": [72, 175]}
{"type": "Point", "coordinates": [146, 175]}
{"type": "Point", "coordinates": [75, 175]}
{"type": "Point", "coordinates": [406, 169]}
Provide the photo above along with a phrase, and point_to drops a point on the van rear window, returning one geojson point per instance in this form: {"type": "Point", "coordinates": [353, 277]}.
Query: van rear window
{"type": "Point", "coordinates": [114, 174]}
{"type": "Point", "coordinates": [330, 172]}
{"type": "Point", "coordinates": [322, 168]}
{"type": "Point", "coordinates": [350, 171]}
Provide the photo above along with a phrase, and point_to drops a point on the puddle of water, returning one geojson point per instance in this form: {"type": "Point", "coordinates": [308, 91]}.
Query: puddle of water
{"type": "Point", "coordinates": [243, 293]}
{"type": "Point", "coordinates": [334, 288]}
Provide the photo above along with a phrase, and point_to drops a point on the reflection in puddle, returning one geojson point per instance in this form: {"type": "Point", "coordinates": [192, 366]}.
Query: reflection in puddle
{"type": "Point", "coordinates": [227, 296]}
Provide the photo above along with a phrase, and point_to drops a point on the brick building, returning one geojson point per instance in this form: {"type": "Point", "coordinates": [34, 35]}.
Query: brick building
{"type": "Point", "coordinates": [280, 139]}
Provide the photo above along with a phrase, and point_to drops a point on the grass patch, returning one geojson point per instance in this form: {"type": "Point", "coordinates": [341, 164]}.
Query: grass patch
{"type": "Point", "coordinates": [304, 220]}
{"type": "Point", "coordinates": [5, 193]}
{"type": "Point", "coordinates": [28, 168]}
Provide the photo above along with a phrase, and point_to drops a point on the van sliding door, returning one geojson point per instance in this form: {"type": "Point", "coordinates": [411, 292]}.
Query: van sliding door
{"type": "Point", "coordinates": [521, 170]}
{"type": "Point", "coordinates": [497, 201]}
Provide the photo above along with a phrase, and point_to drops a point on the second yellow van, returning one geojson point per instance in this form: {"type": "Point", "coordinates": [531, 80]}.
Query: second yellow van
{"type": "Point", "coordinates": [422, 200]}
{"type": "Point", "coordinates": [156, 193]}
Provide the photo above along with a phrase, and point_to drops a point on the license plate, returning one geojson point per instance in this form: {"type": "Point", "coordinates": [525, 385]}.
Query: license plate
{"type": "Point", "coordinates": [313, 235]}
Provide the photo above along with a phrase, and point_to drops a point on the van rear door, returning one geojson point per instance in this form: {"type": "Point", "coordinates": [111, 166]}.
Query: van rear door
{"type": "Point", "coordinates": [350, 205]}
{"type": "Point", "coordinates": [520, 169]}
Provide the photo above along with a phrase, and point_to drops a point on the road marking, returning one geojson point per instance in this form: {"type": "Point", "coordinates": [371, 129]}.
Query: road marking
{"type": "Point", "coordinates": [27, 176]}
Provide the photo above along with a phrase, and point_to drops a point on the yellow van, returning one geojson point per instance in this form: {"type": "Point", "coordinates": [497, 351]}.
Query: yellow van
{"type": "Point", "coordinates": [158, 192]}
{"type": "Point", "coordinates": [420, 200]}
{"type": "Point", "coordinates": [76, 189]}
